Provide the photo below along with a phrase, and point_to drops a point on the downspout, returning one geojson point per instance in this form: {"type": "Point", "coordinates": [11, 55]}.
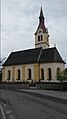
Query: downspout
{"type": "Point", "coordinates": [39, 64]}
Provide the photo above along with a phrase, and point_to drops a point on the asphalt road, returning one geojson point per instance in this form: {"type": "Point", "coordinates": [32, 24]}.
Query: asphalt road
{"type": "Point", "coordinates": [19, 105]}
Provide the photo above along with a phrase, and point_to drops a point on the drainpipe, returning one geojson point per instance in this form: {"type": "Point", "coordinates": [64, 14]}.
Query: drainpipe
{"type": "Point", "coordinates": [39, 64]}
{"type": "Point", "coordinates": [38, 71]}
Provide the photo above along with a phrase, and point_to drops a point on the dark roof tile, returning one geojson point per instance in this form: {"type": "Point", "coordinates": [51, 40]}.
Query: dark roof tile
{"type": "Point", "coordinates": [32, 56]}
{"type": "Point", "coordinates": [50, 55]}
{"type": "Point", "coordinates": [23, 57]}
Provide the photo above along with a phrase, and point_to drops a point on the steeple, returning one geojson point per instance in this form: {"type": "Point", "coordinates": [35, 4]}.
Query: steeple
{"type": "Point", "coordinates": [41, 12]}
{"type": "Point", "coordinates": [41, 17]}
{"type": "Point", "coordinates": [41, 34]}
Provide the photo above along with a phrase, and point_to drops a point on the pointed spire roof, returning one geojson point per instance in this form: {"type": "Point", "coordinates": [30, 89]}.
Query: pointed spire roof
{"type": "Point", "coordinates": [41, 13]}
{"type": "Point", "coordinates": [41, 23]}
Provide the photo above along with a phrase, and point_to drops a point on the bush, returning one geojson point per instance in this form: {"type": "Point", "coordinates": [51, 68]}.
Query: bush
{"type": "Point", "coordinates": [62, 75]}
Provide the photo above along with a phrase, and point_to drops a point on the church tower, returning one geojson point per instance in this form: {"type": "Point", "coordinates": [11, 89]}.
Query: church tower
{"type": "Point", "coordinates": [41, 34]}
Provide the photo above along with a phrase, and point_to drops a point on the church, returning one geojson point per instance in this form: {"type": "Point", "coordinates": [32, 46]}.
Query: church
{"type": "Point", "coordinates": [40, 63]}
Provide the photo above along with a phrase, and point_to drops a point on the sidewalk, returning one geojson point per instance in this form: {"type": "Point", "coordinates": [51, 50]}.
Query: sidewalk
{"type": "Point", "coordinates": [58, 94]}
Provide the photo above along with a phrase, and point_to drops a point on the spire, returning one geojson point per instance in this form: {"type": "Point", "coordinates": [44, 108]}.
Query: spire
{"type": "Point", "coordinates": [41, 34]}
{"type": "Point", "coordinates": [41, 13]}
{"type": "Point", "coordinates": [41, 23]}
{"type": "Point", "coordinates": [41, 17]}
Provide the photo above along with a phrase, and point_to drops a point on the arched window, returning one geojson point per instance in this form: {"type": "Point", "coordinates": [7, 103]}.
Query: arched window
{"type": "Point", "coordinates": [40, 38]}
{"type": "Point", "coordinates": [58, 70]}
{"type": "Point", "coordinates": [29, 73]}
{"type": "Point", "coordinates": [9, 74]}
{"type": "Point", "coordinates": [49, 73]}
{"type": "Point", "coordinates": [42, 74]}
{"type": "Point", "coordinates": [18, 74]}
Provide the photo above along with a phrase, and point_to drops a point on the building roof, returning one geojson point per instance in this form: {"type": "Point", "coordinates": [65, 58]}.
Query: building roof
{"type": "Point", "coordinates": [50, 55]}
{"type": "Point", "coordinates": [41, 13]}
{"type": "Point", "coordinates": [41, 23]}
{"type": "Point", "coordinates": [33, 56]}
{"type": "Point", "coordinates": [23, 57]}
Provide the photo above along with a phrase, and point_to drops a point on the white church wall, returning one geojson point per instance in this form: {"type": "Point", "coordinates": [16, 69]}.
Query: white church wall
{"type": "Point", "coordinates": [6, 70]}
{"type": "Point", "coordinates": [59, 65]}
{"type": "Point", "coordinates": [18, 67]}
{"type": "Point", "coordinates": [29, 66]}
{"type": "Point", "coordinates": [53, 67]}
{"type": "Point", "coordinates": [45, 66]}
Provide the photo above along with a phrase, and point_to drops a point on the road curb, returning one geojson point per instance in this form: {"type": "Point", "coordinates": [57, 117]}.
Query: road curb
{"type": "Point", "coordinates": [56, 99]}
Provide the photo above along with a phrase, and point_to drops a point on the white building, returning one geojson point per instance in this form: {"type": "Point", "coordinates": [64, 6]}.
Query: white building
{"type": "Point", "coordinates": [40, 63]}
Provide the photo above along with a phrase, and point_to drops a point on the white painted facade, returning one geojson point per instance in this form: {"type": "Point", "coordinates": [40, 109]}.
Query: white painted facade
{"type": "Point", "coordinates": [53, 67]}
{"type": "Point", "coordinates": [45, 66]}
{"type": "Point", "coordinates": [29, 66]}
{"type": "Point", "coordinates": [44, 43]}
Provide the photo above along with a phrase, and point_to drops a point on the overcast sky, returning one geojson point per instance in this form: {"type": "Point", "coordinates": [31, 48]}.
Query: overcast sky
{"type": "Point", "coordinates": [19, 21]}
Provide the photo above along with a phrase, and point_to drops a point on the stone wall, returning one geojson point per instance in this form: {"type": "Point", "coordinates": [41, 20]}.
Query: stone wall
{"type": "Point", "coordinates": [51, 85]}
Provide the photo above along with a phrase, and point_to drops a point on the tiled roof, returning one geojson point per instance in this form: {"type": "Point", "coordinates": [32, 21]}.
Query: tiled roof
{"type": "Point", "coordinates": [45, 30]}
{"type": "Point", "coordinates": [50, 55]}
{"type": "Point", "coordinates": [23, 57]}
{"type": "Point", "coordinates": [34, 56]}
